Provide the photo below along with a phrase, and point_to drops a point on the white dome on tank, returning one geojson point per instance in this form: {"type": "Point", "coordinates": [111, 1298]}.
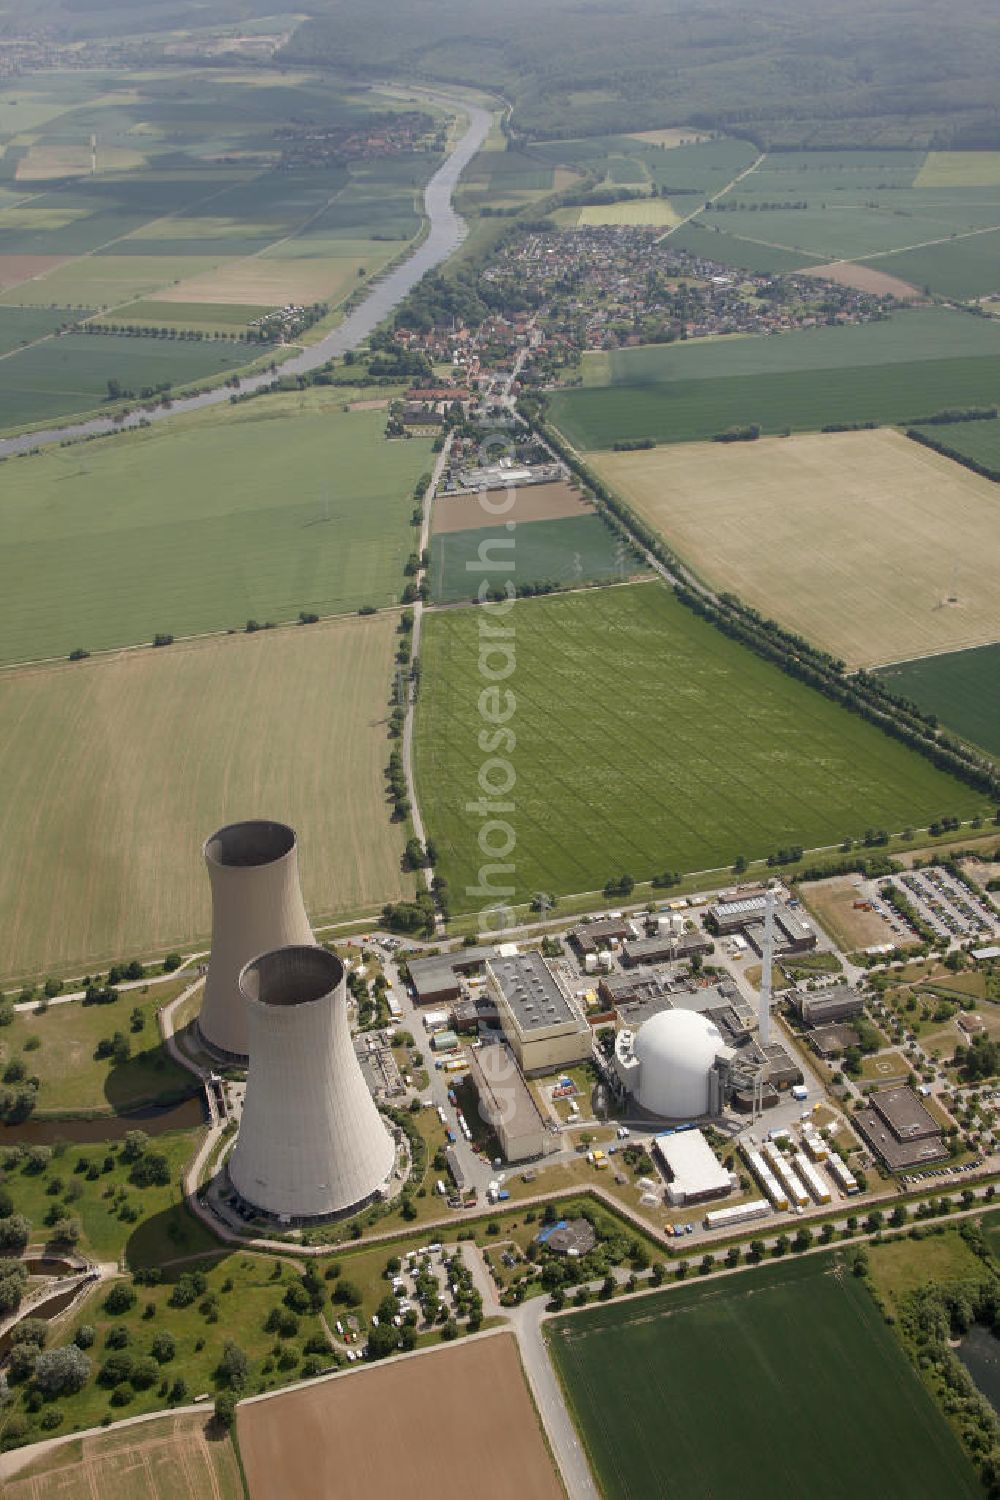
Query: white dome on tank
{"type": "Point", "coordinates": [676, 1051]}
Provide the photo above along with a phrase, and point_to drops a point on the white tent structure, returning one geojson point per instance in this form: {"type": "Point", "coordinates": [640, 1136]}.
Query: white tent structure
{"type": "Point", "coordinates": [256, 906]}
{"type": "Point", "coordinates": [311, 1143]}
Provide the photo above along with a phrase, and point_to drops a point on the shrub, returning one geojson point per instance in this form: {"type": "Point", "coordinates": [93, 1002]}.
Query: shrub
{"type": "Point", "coordinates": [225, 1409]}
{"type": "Point", "coordinates": [163, 1347]}
{"type": "Point", "coordinates": [62, 1371]}
{"type": "Point", "coordinates": [120, 1299]}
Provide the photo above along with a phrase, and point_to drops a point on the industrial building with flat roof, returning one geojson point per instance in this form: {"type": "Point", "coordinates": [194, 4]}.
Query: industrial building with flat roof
{"type": "Point", "coordinates": [826, 1007]}
{"type": "Point", "coordinates": [437, 979]}
{"type": "Point", "coordinates": [666, 947]}
{"type": "Point", "coordinates": [590, 936]}
{"type": "Point", "coordinates": [507, 1103]}
{"type": "Point", "coordinates": [900, 1130]}
{"type": "Point", "coordinates": [694, 1172]}
{"type": "Point", "coordinates": [539, 1019]}
{"type": "Point", "coordinates": [831, 1041]}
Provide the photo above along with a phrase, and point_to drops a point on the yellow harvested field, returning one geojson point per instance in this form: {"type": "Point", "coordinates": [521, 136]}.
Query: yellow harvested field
{"type": "Point", "coordinates": [673, 135]}
{"type": "Point", "coordinates": [960, 169]}
{"type": "Point", "coordinates": [173, 1458]}
{"type": "Point", "coordinates": [866, 279]}
{"type": "Point", "coordinates": [632, 211]}
{"type": "Point", "coordinates": [49, 163]}
{"type": "Point", "coordinates": [93, 280]}
{"type": "Point", "coordinates": [466, 1424]}
{"type": "Point", "coordinates": [116, 770]}
{"type": "Point", "coordinates": [270, 283]}
{"type": "Point", "coordinates": [851, 539]}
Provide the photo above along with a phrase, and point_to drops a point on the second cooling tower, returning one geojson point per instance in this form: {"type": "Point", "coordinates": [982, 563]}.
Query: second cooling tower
{"type": "Point", "coordinates": [256, 906]}
{"type": "Point", "coordinates": [311, 1142]}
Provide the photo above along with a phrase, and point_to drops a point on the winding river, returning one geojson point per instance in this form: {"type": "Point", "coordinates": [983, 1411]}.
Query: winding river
{"type": "Point", "coordinates": [445, 233]}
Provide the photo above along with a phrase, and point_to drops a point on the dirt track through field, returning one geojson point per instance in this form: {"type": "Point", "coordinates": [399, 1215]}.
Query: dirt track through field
{"type": "Point", "coordinates": [449, 1424]}
{"type": "Point", "coordinates": [538, 502]}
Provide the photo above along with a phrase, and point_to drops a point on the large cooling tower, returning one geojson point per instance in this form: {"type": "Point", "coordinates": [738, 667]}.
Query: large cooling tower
{"type": "Point", "coordinates": [256, 906]}
{"type": "Point", "coordinates": [311, 1142]}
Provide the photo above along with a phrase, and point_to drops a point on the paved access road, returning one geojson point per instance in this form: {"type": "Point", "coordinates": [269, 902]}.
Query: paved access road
{"type": "Point", "coordinates": [445, 233]}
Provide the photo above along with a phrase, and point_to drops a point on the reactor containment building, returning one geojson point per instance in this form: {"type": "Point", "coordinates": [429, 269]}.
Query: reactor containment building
{"type": "Point", "coordinates": [675, 1066]}
{"type": "Point", "coordinates": [311, 1143]}
{"type": "Point", "coordinates": [256, 906]}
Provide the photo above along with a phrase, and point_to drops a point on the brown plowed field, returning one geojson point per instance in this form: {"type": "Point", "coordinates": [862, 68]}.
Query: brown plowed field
{"type": "Point", "coordinates": [865, 279]}
{"type": "Point", "coordinates": [15, 268]}
{"type": "Point", "coordinates": [535, 502]}
{"type": "Point", "coordinates": [456, 1422]}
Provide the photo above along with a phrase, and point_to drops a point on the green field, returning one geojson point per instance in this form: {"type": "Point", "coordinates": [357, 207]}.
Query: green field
{"type": "Point", "coordinates": [892, 371]}
{"type": "Point", "coordinates": [960, 687]}
{"type": "Point", "coordinates": [227, 317]}
{"type": "Point", "coordinates": [964, 268]}
{"type": "Point", "coordinates": [257, 511]}
{"type": "Point", "coordinates": [646, 740]}
{"type": "Point", "coordinates": [730, 250]}
{"type": "Point", "coordinates": [730, 1388]}
{"type": "Point", "coordinates": [976, 440]}
{"type": "Point", "coordinates": [571, 550]}
{"type": "Point", "coordinates": [70, 374]}
{"type": "Point", "coordinates": [117, 769]}
{"type": "Point", "coordinates": [20, 325]}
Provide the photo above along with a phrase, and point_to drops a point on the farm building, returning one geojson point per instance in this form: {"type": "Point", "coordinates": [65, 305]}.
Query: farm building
{"type": "Point", "coordinates": [900, 1130]}
{"type": "Point", "coordinates": [826, 1007]}
{"type": "Point", "coordinates": [540, 1020]}
{"type": "Point", "coordinates": [694, 1172]}
{"type": "Point", "coordinates": [673, 1066]}
{"type": "Point", "coordinates": [507, 1103]}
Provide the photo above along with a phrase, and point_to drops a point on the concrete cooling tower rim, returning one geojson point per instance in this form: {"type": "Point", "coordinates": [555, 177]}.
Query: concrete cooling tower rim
{"type": "Point", "coordinates": [250, 844]}
{"type": "Point", "coordinates": [293, 976]}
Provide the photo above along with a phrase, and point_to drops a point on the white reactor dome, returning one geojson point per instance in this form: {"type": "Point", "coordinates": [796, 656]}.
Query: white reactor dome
{"type": "Point", "coordinates": [676, 1051]}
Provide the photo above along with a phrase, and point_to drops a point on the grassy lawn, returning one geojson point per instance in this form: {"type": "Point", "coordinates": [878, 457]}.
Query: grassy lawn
{"type": "Point", "coordinates": [960, 687]}
{"type": "Point", "coordinates": [211, 523]}
{"type": "Point", "coordinates": [642, 1384]}
{"type": "Point", "coordinates": [114, 780]}
{"type": "Point", "coordinates": [71, 1078]}
{"type": "Point", "coordinates": [154, 1226]}
{"type": "Point", "coordinates": [901, 1265]}
{"type": "Point", "coordinates": [646, 741]}
{"type": "Point", "coordinates": [243, 1289]}
{"type": "Point", "coordinates": [894, 371]}
{"type": "Point", "coordinates": [843, 537]}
